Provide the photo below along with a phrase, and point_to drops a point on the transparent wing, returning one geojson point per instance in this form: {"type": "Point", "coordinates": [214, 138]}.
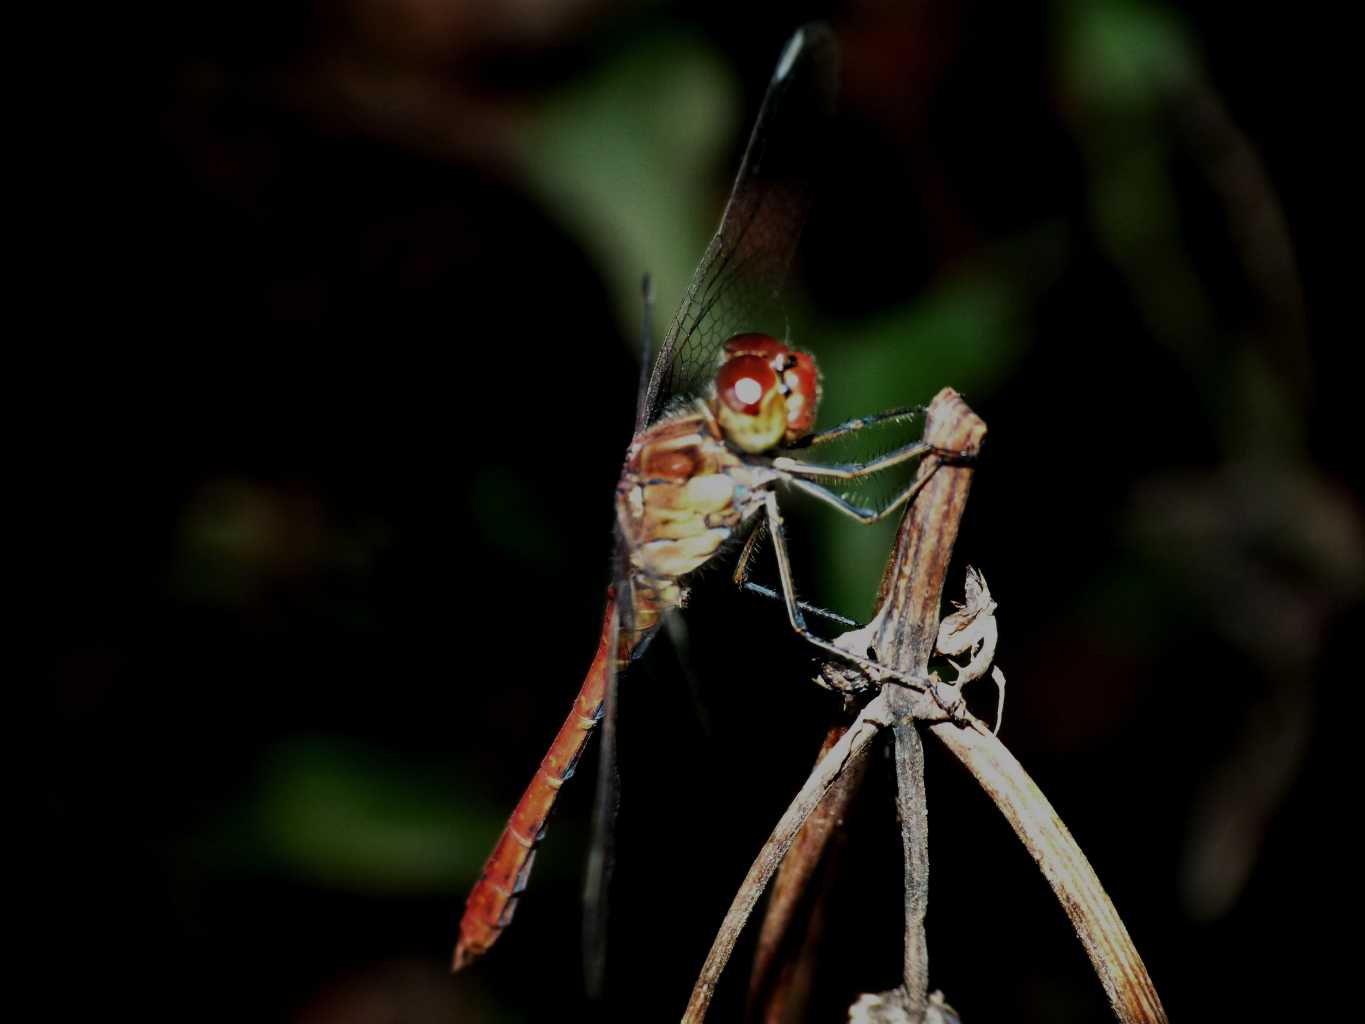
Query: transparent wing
{"type": "Point", "coordinates": [646, 345]}
{"type": "Point", "coordinates": [601, 855]}
{"type": "Point", "coordinates": [737, 284]}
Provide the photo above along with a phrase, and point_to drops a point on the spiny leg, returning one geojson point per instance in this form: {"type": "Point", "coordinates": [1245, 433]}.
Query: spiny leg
{"type": "Point", "coordinates": [854, 425]}
{"type": "Point", "coordinates": [751, 542]}
{"type": "Point", "coordinates": [741, 579]}
{"type": "Point", "coordinates": [853, 470]}
{"type": "Point", "coordinates": [863, 515]}
{"type": "Point", "coordinates": [874, 671]}
{"type": "Point", "coordinates": [805, 606]}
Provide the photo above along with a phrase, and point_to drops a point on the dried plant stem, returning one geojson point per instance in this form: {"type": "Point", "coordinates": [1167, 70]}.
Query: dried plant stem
{"type": "Point", "coordinates": [910, 599]}
{"type": "Point", "coordinates": [904, 632]}
{"type": "Point", "coordinates": [778, 984]}
{"type": "Point", "coordinates": [1098, 925]}
{"type": "Point", "coordinates": [852, 747]}
{"type": "Point", "coordinates": [905, 629]}
{"type": "Point", "coordinates": [950, 425]}
{"type": "Point", "coordinates": [913, 810]}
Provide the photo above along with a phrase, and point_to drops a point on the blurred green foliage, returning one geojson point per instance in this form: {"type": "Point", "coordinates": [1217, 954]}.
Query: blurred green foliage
{"type": "Point", "coordinates": [1122, 54]}
{"type": "Point", "coordinates": [339, 813]}
{"type": "Point", "coordinates": [626, 157]}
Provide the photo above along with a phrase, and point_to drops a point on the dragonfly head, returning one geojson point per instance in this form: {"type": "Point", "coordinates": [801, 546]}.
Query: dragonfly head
{"type": "Point", "coordinates": [766, 393]}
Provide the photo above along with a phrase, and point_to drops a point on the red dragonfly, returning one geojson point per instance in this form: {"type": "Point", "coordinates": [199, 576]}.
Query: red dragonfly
{"type": "Point", "coordinates": [718, 409]}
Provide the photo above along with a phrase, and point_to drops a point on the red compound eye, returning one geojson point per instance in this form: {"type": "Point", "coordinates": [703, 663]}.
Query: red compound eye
{"type": "Point", "coordinates": [755, 344]}
{"type": "Point", "coordinates": [743, 389]}
{"type": "Point", "coordinates": [743, 383]}
{"type": "Point", "coordinates": [802, 380]}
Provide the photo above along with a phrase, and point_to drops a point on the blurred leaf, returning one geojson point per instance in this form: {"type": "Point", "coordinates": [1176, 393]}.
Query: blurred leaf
{"type": "Point", "coordinates": [336, 814]}
{"type": "Point", "coordinates": [962, 334]}
{"type": "Point", "coordinates": [1126, 71]}
{"type": "Point", "coordinates": [628, 160]}
{"type": "Point", "coordinates": [1119, 53]}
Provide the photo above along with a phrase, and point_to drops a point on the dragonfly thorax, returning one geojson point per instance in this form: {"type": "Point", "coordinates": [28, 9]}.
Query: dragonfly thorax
{"type": "Point", "coordinates": [765, 392]}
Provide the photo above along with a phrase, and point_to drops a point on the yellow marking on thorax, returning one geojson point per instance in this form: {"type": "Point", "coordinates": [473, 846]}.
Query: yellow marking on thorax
{"type": "Point", "coordinates": [679, 499]}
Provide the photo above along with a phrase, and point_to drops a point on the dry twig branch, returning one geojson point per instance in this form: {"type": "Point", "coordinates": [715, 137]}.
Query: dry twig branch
{"type": "Point", "coordinates": [852, 747]}
{"type": "Point", "coordinates": [904, 633]}
{"type": "Point", "coordinates": [1098, 925]}
{"type": "Point", "coordinates": [944, 426]}
{"type": "Point", "coordinates": [911, 597]}
{"type": "Point", "coordinates": [780, 976]}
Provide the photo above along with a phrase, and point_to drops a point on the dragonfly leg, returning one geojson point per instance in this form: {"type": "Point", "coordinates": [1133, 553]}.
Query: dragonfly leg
{"type": "Point", "coordinates": [863, 515]}
{"type": "Point", "coordinates": [854, 425]}
{"type": "Point", "coordinates": [741, 574]}
{"type": "Point", "coordinates": [741, 579]}
{"type": "Point", "coordinates": [811, 609]}
{"type": "Point", "coordinates": [857, 470]}
{"type": "Point", "coordinates": [876, 672]}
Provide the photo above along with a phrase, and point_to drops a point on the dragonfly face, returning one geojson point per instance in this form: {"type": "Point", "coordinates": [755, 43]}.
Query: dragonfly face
{"type": "Point", "coordinates": [766, 394]}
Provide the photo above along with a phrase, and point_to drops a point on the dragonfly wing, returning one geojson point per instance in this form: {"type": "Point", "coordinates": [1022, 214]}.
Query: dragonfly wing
{"type": "Point", "coordinates": [676, 628]}
{"type": "Point", "coordinates": [597, 883]}
{"type": "Point", "coordinates": [736, 285]}
{"type": "Point", "coordinates": [646, 348]}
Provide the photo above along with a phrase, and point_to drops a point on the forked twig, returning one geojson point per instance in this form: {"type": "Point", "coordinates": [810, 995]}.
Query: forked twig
{"type": "Point", "coordinates": [944, 428]}
{"type": "Point", "coordinates": [904, 632]}
{"type": "Point", "coordinates": [911, 596]}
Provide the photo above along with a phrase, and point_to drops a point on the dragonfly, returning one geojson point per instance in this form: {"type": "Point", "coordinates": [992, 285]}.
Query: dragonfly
{"type": "Point", "coordinates": [722, 405]}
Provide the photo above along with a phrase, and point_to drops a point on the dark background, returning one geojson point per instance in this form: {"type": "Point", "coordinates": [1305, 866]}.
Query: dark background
{"type": "Point", "coordinates": [345, 300]}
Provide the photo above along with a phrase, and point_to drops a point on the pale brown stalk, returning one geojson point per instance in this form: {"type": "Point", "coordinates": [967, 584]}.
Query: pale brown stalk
{"type": "Point", "coordinates": [904, 634]}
